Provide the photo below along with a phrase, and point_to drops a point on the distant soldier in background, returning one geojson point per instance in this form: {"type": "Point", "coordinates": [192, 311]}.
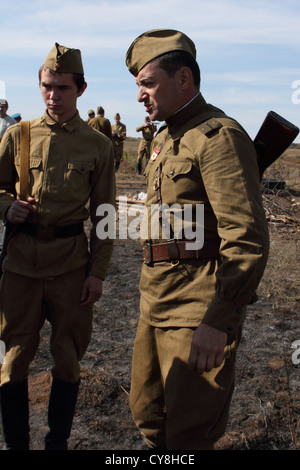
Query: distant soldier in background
{"type": "Point", "coordinates": [91, 115]}
{"type": "Point", "coordinates": [5, 119]}
{"type": "Point", "coordinates": [17, 117]}
{"type": "Point", "coordinates": [148, 129]}
{"type": "Point", "coordinates": [100, 123]}
{"type": "Point", "coordinates": [118, 136]}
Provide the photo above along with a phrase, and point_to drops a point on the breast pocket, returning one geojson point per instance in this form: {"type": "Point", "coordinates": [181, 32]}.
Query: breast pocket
{"type": "Point", "coordinates": [177, 169]}
{"type": "Point", "coordinates": [78, 177]}
{"type": "Point", "coordinates": [180, 181]}
{"type": "Point", "coordinates": [35, 174]}
{"type": "Point", "coordinates": [34, 163]}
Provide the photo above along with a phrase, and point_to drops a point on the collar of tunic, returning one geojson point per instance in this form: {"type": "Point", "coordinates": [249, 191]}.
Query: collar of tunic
{"type": "Point", "coordinates": [180, 121]}
{"type": "Point", "coordinates": [191, 115]}
{"type": "Point", "coordinates": [70, 126]}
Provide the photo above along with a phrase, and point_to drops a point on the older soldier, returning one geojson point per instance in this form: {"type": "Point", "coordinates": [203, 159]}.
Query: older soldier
{"type": "Point", "coordinates": [5, 119]}
{"type": "Point", "coordinates": [118, 135]}
{"type": "Point", "coordinates": [148, 129]}
{"type": "Point", "coordinates": [48, 270]}
{"type": "Point", "coordinates": [193, 299]}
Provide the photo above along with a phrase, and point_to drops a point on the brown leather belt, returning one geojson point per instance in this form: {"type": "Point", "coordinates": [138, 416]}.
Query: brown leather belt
{"type": "Point", "coordinates": [51, 232]}
{"type": "Point", "coordinates": [176, 250]}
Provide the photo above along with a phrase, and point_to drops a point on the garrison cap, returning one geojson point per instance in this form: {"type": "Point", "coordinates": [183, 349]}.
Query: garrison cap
{"type": "Point", "coordinates": [154, 43]}
{"type": "Point", "coordinates": [61, 59]}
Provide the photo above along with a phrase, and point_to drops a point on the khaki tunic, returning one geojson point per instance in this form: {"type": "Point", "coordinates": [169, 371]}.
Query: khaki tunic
{"type": "Point", "coordinates": [144, 146]}
{"type": "Point", "coordinates": [101, 124]}
{"type": "Point", "coordinates": [118, 136]}
{"type": "Point", "coordinates": [218, 170]}
{"type": "Point", "coordinates": [71, 166]}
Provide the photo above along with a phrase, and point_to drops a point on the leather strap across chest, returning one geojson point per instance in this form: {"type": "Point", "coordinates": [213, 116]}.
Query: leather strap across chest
{"type": "Point", "coordinates": [24, 159]}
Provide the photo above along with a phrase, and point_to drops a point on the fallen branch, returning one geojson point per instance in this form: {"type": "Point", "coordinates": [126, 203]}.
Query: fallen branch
{"type": "Point", "coordinates": [284, 216]}
{"type": "Point", "coordinates": [120, 200]}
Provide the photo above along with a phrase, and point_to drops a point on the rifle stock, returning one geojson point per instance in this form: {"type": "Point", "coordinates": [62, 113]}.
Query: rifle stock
{"type": "Point", "coordinates": [274, 136]}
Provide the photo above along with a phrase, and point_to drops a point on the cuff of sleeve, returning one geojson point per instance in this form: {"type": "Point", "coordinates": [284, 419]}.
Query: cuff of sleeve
{"type": "Point", "coordinates": [224, 316]}
{"type": "Point", "coordinates": [97, 274]}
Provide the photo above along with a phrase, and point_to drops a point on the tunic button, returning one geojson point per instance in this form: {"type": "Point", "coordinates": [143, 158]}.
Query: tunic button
{"type": "Point", "coordinates": [172, 172]}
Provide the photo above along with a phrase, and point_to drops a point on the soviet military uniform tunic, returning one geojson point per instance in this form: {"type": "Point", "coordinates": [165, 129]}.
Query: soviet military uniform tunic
{"type": "Point", "coordinates": [101, 124]}
{"type": "Point", "coordinates": [71, 166]}
{"type": "Point", "coordinates": [213, 165]}
{"type": "Point", "coordinates": [144, 146]}
{"type": "Point", "coordinates": [118, 136]}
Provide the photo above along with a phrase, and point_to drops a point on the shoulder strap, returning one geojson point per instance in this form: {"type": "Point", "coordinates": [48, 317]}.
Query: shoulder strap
{"type": "Point", "coordinates": [24, 159]}
{"type": "Point", "coordinates": [210, 126]}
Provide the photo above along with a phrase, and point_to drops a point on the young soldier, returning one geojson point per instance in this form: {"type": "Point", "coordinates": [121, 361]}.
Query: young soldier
{"type": "Point", "coordinates": [193, 301]}
{"type": "Point", "coordinates": [48, 270]}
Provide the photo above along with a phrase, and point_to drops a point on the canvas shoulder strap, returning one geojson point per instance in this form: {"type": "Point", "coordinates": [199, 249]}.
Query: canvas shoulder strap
{"type": "Point", "coordinates": [24, 159]}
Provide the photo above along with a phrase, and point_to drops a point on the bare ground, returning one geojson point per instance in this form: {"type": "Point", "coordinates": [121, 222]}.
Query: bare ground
{"type": "Point", "coordinates": [265, 409]}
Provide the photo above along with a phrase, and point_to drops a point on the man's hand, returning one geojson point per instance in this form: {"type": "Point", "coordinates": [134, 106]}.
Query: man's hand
{"type": "Point", "coordinates": [19, 211]}
{"type": "Point", "coordinates": [91, 290]}
{"type": "Point", "coordinates": [207, 349]}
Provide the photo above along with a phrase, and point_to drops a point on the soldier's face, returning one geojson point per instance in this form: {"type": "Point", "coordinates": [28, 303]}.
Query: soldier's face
{"type": "Point", "coordinates": [3, 109]}
{"type": "Point", "coordinates": [60, 94]}
{"type": "Point", "coordinates": [158, 91]}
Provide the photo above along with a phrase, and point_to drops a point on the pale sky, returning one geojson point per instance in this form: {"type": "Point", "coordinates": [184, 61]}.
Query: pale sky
{"type": "Point", "coordinates": [248, 53]}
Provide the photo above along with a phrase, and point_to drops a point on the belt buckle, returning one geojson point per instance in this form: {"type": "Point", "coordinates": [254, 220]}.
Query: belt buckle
{"type": "Point", "coordinates": [147, 245]}
{"type": "Point", "coordinates": [173, 250]}
{"type": "Point", "coordinates": [45, 233]}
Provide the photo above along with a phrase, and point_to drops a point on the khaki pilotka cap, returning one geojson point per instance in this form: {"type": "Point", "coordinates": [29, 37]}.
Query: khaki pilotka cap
{"type": "Point", "coordinates": [61, 59]}
{"type": "Point", "coordinates": [154, 43]}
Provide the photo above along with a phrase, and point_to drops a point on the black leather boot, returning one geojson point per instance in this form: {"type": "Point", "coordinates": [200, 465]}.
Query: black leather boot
{"type": "Point", "coordinates": [14, 415]}
{"type": "Point", "coordinates": [62, 403]}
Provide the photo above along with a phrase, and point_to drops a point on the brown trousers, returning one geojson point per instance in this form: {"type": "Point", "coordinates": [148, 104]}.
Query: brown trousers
{"type": "Point", "coordinates": [25, 303]}
{"type": "Point", "coordinates": [118, 149]}
{"type": "Point", "coordinates": [173, 407]}
{"type": "Point", "coordinates": [144, 150]}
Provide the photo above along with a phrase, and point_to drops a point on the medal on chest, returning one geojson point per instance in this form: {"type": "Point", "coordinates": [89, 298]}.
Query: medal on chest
{"type": "Point", "coordinates": [154, 155]}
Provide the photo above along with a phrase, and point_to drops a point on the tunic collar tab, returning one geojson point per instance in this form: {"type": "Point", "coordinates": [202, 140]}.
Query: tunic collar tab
{"type": "Point", "coordinates": [178, 121]}
{"type": "Point", "coordinates": [70, 126]}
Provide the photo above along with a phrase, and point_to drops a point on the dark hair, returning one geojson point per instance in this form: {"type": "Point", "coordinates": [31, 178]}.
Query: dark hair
{"type": "Point", "coordinates": [174, 60]}
{"type": "Point", "coordinates": [77, 77]}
